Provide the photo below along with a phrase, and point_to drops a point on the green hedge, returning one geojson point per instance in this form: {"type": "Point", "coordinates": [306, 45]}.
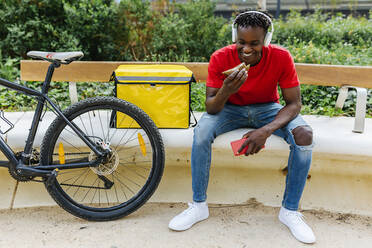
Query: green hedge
{"type": "Point", "coordinates": [323, 39]}
{"type": "Point", "coordinates": [132, 30]}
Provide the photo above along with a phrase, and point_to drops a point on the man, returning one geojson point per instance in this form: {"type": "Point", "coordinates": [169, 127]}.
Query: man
{"type": "Point", "coordinates": [250, 99]}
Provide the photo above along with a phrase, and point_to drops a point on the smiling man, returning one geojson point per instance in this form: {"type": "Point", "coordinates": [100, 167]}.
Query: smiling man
{"type": "Point", "coordinates": [250, 99]}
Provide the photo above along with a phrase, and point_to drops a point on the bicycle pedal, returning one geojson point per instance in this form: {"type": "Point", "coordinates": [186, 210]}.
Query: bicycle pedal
{"type": "Point", "coordinates": [5, 122]}
{"type": "Point", "coordinates": [51, 179]}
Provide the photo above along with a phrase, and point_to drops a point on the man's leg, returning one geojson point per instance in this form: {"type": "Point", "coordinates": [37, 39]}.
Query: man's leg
{"type": "Point", "coordinates": [298, 134]}
{"type": "Point", "coordinates": [208, 128]}
{"type": "Point", "coordinates": [300, 137]}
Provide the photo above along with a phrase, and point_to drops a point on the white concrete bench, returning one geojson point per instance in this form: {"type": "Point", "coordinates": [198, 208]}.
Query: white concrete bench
{"type": "Point", "coordinates": [341, 172]}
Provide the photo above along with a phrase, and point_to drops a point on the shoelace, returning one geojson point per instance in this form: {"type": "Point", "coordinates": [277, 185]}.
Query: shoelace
{"type": "Point", "coordinates": [296, 217]}
{"type": "Point", "coordinates": [189, 209]}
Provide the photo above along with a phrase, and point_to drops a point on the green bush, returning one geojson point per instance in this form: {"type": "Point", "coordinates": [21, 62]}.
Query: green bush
{"type": "Point", "coordinates": [335, 54]}
{"type": "Point", "coordinates": [205, 32]}
{"type": "Point", "coordinates": [198, 96]}
{"type": "Point", "coordinates": [323, 30]}
{"type": "Point", "coordinates": [58, 25]}
{"type": "Point", "coordinates": [323, 39]}
{"type": "Point", "coordinates": [33, 25]}
{"type": "Point", "coordinates": [138, 21]}
{"type": "Point", "coordinates": [95, 26]}
{"type": "Point", "coordinates": [9, 68]}
{"type": "Point", "coordinates": [170, 40]}
{"type": "Point", "coordinates": [187, 32]}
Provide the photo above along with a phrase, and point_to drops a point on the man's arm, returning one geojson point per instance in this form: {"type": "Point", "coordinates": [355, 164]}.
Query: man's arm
{"type": "Point", "coordinates": [257, 138]}
{"type": "Point", "coordinates": [217, 97]}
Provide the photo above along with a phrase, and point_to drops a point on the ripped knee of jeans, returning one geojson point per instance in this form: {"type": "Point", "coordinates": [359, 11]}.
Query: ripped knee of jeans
{"type": "Point", "coordinates": [303, 135]}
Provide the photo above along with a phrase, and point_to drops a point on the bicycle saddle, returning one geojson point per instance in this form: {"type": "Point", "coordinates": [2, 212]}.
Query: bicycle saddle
{"type": "Point", "coordinates": [61, 57]}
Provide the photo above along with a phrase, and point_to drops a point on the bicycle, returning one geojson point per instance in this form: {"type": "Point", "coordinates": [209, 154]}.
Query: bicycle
{"type": "Point", "coordinates": [91, 165]}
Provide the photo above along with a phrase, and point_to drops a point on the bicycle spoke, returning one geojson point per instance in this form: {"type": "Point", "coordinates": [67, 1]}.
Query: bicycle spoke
{"type": "Point", "coordinates": [126, 141]}
{"type": "Point", "coordinates": [82, 123]}
{"type": "Point", "coordinates": [100, 121]}
{"type": "Point", "coordinates": [91, 126]}
{"type": "Point", "coordinates": [126, 162]}
{"type": "Point", "coordinates": [139, 166]}
{"type": "Point", "coordinates": [122, 138]}
{"type": "Point", "coordinates": [122, 182]}
{"type": "Point", "coordinates": [94, 191]}
{"type": "Point", "coordinates": [74, 178]}
{"type": "Point", "coordinates": [89, 190]}
{"type": "Point", "coordinates": [99, 194]}
{"type": "Point", "coordinates": [116, 193]}
{"type": "Point", "coordinates": [131, 147]}
{"type": "Point", "coordinates": [108, 126]}
{"type": "Point", "coordinates": [107, 197]}
{"type": "Point", "coordinates": [121, 122]}
{"type": "Point", "coordinates": [128, 179]}
{"type": "Point", "coordinates": [130, 169]}
{"type": "Point", "coordinates": [62, 138]}
{"type": "Point", "coordinates": [81, 184]}
{"type": "Point", "coordinates": [78, 178]}
{"type": "Point", "coordinates": [122, 189]}
{"type": "Point", "coordinates": [126, 148]}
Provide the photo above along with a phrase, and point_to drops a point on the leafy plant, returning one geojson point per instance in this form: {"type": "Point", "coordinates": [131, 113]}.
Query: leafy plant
{"type": "Point", "coordinates": [95, 26]}
{"type": "Point", "coordinates": [205, 32]}
{"type": "Point", "coordinates": [163, 31]}
{"type": "Point", "coordinates": [33, 25]}
{"type": "Point", "coordinates": [198, 96]}
{"type": "Point", "coordinates": [139, 21]}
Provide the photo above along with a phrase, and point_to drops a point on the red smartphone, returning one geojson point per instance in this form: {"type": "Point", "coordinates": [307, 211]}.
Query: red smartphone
{"type": "Point", "coordinates": [236, 144]}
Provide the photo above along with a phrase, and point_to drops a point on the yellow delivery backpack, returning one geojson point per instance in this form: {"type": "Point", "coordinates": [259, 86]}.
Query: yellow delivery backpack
{"type": "Point", "coordinates": [162, 91]}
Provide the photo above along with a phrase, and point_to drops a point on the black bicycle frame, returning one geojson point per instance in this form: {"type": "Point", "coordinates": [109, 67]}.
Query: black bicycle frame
{"type": "Point", "coordinates": [43, 170]}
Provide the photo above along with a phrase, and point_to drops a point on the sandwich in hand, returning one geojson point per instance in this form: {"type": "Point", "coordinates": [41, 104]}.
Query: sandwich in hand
{"type": "Point", "coordinates": [238, 67]}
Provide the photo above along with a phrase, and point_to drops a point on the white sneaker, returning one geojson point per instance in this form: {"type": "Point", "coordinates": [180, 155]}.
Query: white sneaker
{"type": "Point", "coordinates": [196, 212]}
{"type": "Point", "coordinates": [295, 222]}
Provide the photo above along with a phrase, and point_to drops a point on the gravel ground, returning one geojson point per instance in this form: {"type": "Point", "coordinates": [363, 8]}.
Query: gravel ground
{"type": "Point", "coordinates": [245, 225]}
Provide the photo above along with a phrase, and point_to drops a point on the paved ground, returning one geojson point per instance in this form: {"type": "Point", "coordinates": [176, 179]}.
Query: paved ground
{"type": "Point", "coordinates": [248, 225]}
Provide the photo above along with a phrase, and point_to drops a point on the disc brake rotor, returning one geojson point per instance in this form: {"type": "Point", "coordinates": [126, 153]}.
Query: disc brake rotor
{"type": "Point", "coordinates": [108, 167]}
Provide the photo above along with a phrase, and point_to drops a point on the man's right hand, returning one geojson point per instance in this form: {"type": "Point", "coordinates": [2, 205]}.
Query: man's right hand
{"type": "Point", "coordinates": [234, 81]}
{"type": "Point", "coordinates": [217, 97]}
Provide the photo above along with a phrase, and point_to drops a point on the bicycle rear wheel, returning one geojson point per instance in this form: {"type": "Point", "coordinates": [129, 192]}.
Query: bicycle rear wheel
{"type": "Point", "coordinates": [126, 180]}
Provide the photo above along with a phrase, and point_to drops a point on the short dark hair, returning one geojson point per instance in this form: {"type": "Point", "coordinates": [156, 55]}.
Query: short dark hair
{"type": "Point", "coordinates": [252, 19]}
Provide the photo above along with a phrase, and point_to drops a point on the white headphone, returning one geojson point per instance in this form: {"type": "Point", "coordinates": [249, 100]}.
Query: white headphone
{"type": "Point", "coordinates": [268, 35]}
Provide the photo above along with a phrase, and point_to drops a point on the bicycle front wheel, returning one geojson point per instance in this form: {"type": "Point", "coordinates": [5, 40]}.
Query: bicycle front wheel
{"type": "Point", "coordinates": [123, 182]}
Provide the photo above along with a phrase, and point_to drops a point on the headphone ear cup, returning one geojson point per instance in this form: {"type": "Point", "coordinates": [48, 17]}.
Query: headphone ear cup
{"type": "Point", "coordinates": [233, 33]}
{"type": "Point", "coordinates": [268, 38]}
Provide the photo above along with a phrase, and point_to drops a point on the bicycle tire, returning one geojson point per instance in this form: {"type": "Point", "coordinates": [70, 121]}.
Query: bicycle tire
{"type": "Point", "coordinates": [118, 208]}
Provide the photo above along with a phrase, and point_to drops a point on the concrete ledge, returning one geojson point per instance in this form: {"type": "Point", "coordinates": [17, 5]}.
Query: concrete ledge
{"type": "Point", "coordinates": [341, 172]}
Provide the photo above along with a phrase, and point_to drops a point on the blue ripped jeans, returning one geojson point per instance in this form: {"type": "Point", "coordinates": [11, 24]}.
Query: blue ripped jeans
{"type": "Point", "coordinates": [254, 116]}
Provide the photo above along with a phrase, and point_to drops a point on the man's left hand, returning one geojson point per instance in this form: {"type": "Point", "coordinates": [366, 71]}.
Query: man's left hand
{"type": "Point", "coordinates": [255, 141]}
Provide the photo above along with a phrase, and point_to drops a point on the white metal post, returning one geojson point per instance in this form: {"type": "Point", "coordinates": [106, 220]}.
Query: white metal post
{"type": "Point", "coordinates": [361, 104]}
{"type": "Point", "coordinates": [73, 92]}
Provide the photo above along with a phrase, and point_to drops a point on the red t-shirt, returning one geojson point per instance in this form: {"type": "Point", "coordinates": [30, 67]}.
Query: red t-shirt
{"type": "Point", "coordinates": [276, 66]}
